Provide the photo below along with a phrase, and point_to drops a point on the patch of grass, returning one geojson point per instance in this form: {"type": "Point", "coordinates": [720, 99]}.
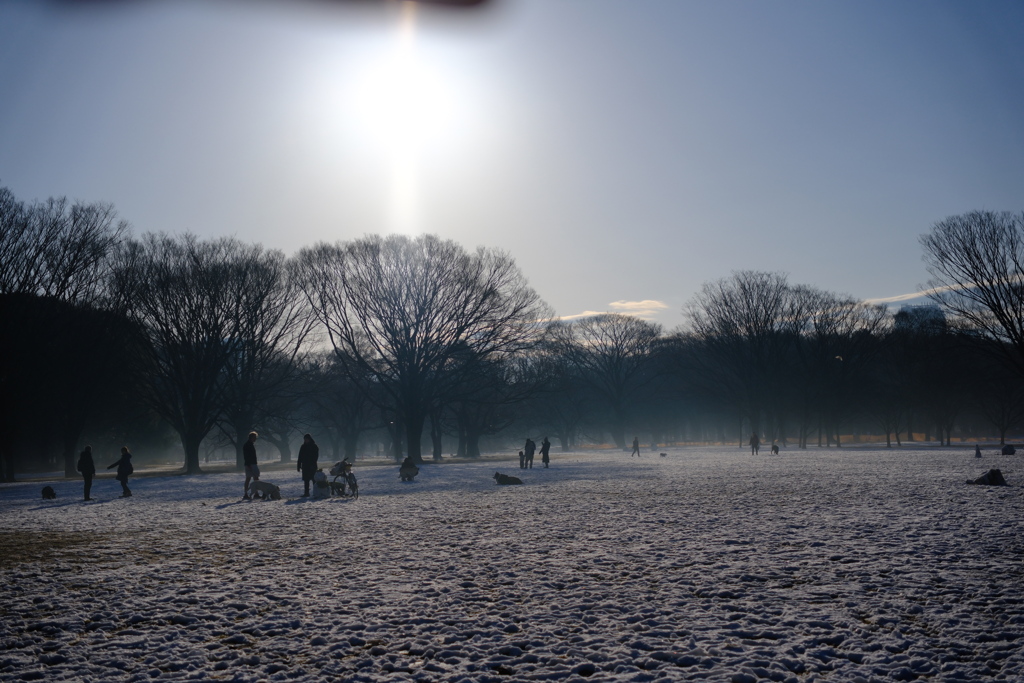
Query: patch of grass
{"type": "Point", "coordinates": [34, 546]}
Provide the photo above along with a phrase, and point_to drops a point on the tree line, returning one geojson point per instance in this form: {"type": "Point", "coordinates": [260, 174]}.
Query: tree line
{"type": "Point", "coordinates": [420, 344]}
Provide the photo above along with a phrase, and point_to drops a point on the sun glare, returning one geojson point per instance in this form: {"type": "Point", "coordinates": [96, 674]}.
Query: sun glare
{"type": "Point", "coordinates": [402, 103]}
{"type": "Point", "coordinates": [404, 108]}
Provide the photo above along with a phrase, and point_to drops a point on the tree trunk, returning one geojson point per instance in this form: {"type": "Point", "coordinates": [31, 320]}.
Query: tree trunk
{"type": "Point", "coordinates": [69, 455]}
{"type": "Point", "coordinates": [282, 446]}
{"type": "Point", "coordinates": [414, 435]}
{"type": "Point", "coordinates": [395, 432]}
{"type": "Point", "coordinates": [473, 443]}
{"type": "Point", "coordinates": [191, 443]}
{"type": "Point", "coordinates": [6, 464]}
{"type": "Point", "coordinates": [241, 437]}
{"type": "Point", "coordinates": [351, 445]}
{"type": "Point", "coordinates": [436, 435]}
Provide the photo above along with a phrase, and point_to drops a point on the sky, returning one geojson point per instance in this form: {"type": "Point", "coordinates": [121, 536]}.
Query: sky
{"type": "Point", "coordinates": [624, 152]}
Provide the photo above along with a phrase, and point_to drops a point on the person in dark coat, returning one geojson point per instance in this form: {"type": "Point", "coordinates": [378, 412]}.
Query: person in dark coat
{"type": "Point", "coordinates": [755, 443]}
{"type": "Point", "coordinates": [124, 468]}
{"type": "Point", "coordinates": [545, 450]}
{"type": "Point", "coordinates": [88, 469]}
{"type": "Point", "coordinates": [531, 448]}
{"type": "Point", "coordinates": [309, 452]}
{"type": "Point", "coordinates": [252, 470]}
{"type": "Point", "coordinates": [636, 447]}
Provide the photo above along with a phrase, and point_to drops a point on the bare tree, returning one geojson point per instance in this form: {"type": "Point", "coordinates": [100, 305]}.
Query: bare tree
{"type": "Point", "coordinates": [398, 309]}
{"type": "Point", "coordinates": [611, 353]}
{"type": "Point", "coordinates": [746, 326]}
{"type": "Point", "coordinates": [977, 265]}
{"type": "Point", "coordinates": [193, 298]}
{"type": "Point", "coordinates": [336, 406]}
{"type": "Point", "coordinates": [273, 322]}
{"type": "Point", "coordinates": [53, 261]}
{"type": "Point", "coordinates": [836, 349]}
{"type": "Point", "coordinates": [56, 248]}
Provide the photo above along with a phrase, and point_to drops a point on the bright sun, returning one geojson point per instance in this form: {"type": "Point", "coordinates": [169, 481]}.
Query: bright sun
{"type": "Point", "coordinates": [400, 99]}
{"type": "Point", "coordinates": [404, 107]}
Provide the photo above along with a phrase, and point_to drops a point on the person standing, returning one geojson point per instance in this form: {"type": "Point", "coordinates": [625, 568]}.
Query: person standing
{"type": "Point", "coordinates": [124, 468]}
{"type": "Point", "coordinates": [545, 450]}
{"type": "Point", "coordinates": [252, 470]}
{"type": "Point", "coordinates": [636, 447]}
{"type": "Point", "coordinates": [755, 443]}
{"type": "Point", "coordinates": [88, 469]}
{"type": "Point", "coordinates": [531, 448]}
{"type": "Point", "coordinates": [309, 453]}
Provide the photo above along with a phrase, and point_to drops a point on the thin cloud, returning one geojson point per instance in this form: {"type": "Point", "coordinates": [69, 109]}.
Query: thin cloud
{"type": "Point", "coordinates": [635, 307]}
{"type": "Point", "coordinates": [646, 309]}
{"type": "Point", "coordinates": [917, 295]}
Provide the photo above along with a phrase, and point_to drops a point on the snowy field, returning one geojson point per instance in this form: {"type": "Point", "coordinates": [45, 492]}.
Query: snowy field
{"type": "Point", "coordinates": [709, 564]}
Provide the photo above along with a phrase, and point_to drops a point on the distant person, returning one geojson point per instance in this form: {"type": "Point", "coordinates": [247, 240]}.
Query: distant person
{"type": "Point", "coordinates": [408, 469]}
{"type": "Point", "coordinates": [88, 469]}
{"type": "Point", "coordinates": [309, 453]}
{"type": "Point", "coordinates": [977, 451]}
{"type": "Point", "coordinates": [252, 470]}
{"type": "Point", "coordinates": [124, 469]}
{"type": "Point", "coordinates": [636, 447]}
{"type": "Point", "coordinates": [531, 448]}
{"type": "Point", "coordinates": [522, 460]}
{"type": "Point", "coordinates": [545, 450]}
{"type": "Point", "coordinates": [755, 443]}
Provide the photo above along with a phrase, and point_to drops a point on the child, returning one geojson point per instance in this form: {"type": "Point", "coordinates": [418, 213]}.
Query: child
{"type": "Point", "coordinates": [124, 468]}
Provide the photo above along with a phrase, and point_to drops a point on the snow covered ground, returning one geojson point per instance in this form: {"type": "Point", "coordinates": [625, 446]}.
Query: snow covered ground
{"type": "Point", "coordinates": [825, 565]}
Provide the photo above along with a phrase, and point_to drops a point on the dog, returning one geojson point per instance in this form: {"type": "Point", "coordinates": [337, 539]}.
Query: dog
{"type": "Point", "coordinates": [49, 493]}
{"type": "Point", "coordinates": [775, 449]}
{"type": "Point", "coordinates": [265, 490]}
{"type": "Point", "coordinates": [505, 479]}
{"type": "Point", "coordinates": [664, 455]}
{"type": "Point", "coordinates": [321, 487]}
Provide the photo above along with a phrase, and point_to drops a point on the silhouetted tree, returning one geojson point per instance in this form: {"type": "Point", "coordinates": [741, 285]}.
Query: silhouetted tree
{"type": "Point", "coordinates": [192, 298]}
{"type": "Point", "coordinates": [836, 348]}
{"type": "Point", "coordinates": [610, 353]}
{"type": "Point", "coordinates": [977, 265]}
{"type": "Point", "coordinates": [745, 326]}
{"type": "Point", "coordinates": [273, 321]}
{"type": "Point", "coordinates": [53, 261]}
{"type": "Point", "coordinates": [337, 408]}
{"type": "Point", "coordinates": [398, 308]}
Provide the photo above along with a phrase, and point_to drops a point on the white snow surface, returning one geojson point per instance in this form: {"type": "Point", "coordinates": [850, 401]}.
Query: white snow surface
{"type": "Point", "coordinates": [852, 564]}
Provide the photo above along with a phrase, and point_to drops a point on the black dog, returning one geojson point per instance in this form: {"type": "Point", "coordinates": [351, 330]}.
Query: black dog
{"type": "Point", "coordinates": [506, 479]}
{"type": "Point", "coordinates": [49, 493]}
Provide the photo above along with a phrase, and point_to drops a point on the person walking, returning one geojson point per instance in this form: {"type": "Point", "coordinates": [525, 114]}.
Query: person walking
{"type": "Point", "coordinates": [124, 468]}
{"type": "Point", "coordinates": [755, 443]}
{"type": "Point", "coordinates": [88, 469]}
{"type": "Point", "coordinates": [309, 453]}
{"type": "Point", "coordinates": [545, 450]}
{"type": "Point", "coordinates": [636, 447]}
{"type": "Point", "coordinates": [252, 470]}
